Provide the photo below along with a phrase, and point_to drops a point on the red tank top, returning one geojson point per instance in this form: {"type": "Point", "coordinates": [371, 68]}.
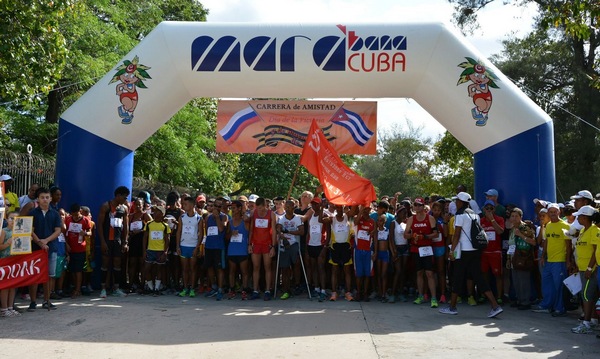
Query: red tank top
{"type": "Point", "coordinates": [420, 227]}
{"type": "Point", "coordinates": [364, 228]}
{"type": "Point", "coordinates": [261, 229]}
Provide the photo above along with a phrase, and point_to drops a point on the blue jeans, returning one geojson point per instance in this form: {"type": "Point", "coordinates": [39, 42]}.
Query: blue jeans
{"type": "Point", "coordinates": [552, 286]}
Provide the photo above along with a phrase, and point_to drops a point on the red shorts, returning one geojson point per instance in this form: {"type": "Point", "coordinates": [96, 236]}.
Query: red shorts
{"type": "Point", "coordinates": [260, 248]}
{"type": "Point", "coordinates": [491, 261]}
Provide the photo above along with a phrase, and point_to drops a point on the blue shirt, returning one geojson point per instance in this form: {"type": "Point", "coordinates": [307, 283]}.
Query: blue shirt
{"type": "Point", "coordinates": [238, 246]}
{"type": "Point", "coordinates": [389, 218]}
{"type": "Point", "coordinates": [214, 241]}
{"type": "Point", "coordinates": [44, 225]}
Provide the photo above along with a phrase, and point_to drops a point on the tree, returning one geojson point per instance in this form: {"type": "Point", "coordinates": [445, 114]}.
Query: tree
{"type": "Point", "coordinates": [399, 161]}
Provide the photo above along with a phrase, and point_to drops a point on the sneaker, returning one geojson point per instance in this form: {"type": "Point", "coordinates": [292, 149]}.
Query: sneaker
{"type": "Point", "coordinates": [192, 293]}
{"type": "Point", "coordinates": [55, 296]}
{"type": "Point", "coordinates": [333, 297]}
{"type": "Point", "coordinates": [538, 309]}
{"type": "Point", "coordinates": [582, 329]}
{"type": "Point", "coordinates": [448, 310]}
{"type": "Point", "coordinates": [119, 293]}
{"type": "Point", "coordinates": [434, 303]}
{"type": "Point", "coordinates": [499, 301]}
{"type": "Point", "coordinates": [254, 295]}
{"type": "Point", "coordinates": [231, 294]}
{"type": "Point", "coordinates": [559, 314]}
{"type": "Point", "coordinates": [48, 306]}
{"type": "Point", "coordinates": [443, 299]}
{"type": "Point", "coordinates": [481, 299]}
{"type": "Point", "coordinates": [15, 313]}
{"type": "Point", "coordinates": [285, 296]}
{"type": "Point", "coordinates": [322, 296]}
{"type": "Point", "coordinates": [184, 293]}
{"type": "Point", "coordinates": [25, 297]}
{"type": "Point", "coordinates": [459, 300]}
{"type": "Point", "coordinates": [32, 307]}
{"type": "Point", "coordinates": [103, 293]}
{"type": "Point", "coordinates": [348, 297]}
{"type": "Point", "coordinates": [267, 296]}
{"type": "Point", "coordinates": [494, 312]}
{"type": "Point", "coordinates": [419, 300]}
{"type": "Point", "coordinates": [426, 297]}
{"type": "Point", "coordinates": [219, 295]}
{"type": "Point", "coordinates": [211, 293]}
{"type": "Point", "coordinates": [244, 295]}
{"type": "Point", "coordinates": [392, 299]}
{"type": "Point", "coordinates": [471, 301]}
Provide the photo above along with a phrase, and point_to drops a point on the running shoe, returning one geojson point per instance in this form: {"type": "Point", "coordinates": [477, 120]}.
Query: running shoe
{"type": "Point", "coordinates": [499, 301]}
{"type": "Point", "coordinates": [559, 314]}
{"type": "Point", "coordinates": [494, 312]}
{"type": "Point", "coordinates": [184, 293]}
{"type": "Point", "coordinates": [254, 295]}
{"type": "Point", "coordinates": [119, 293]}
{"type": "Point", "coordinates": [426, 297]}
{"type": "Point", "coordinates": [192, 293]}
{"type": "Point", "coordinates": [322, 296]}
{"type": "Point", "coordinates": [471, 301]}
{"type": "Point", "coordinates": [434, 303]}
{"type": "Point", "coordinates": [219, 295]}
{"type": "Point", "coordinates": [211, 293]}
{"type": "Point", "coordinates": [448, 310]}
{"type": "Point", "coordinates": [15, 313]}
{"type": "Point", "coordinates": [267, 295]}
{"type": "Point", "coordinates": [443, 299]}
{"type": "Point", "coordinates": [48, 306]}
{"type": "Point", "coordinates": [103, 293]}
{"type": "Point", "coordinates": [538, 309]}
{"type": "Point", "coordinates": [244, 295]}
{"type": "Point", "coordinates": [55, 296]}
{"type": "Point", "coordinates": [231, 294]}
{"type": "Point", "coordinates": [333, 297]}
{"type": "Point", "coordinates": [285, 296]}
{"type": "Point", "coordinates": [348, 297]}
{"type": "Point", "coordinates": [419, 300]}
{"type": "Point", "coordinates": [32, 307]}
{"type": "Point", "coordinates": [582, 329]}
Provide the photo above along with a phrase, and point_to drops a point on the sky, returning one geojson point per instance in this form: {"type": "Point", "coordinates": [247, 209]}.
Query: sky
{"type": "Point", "coordinates": [497, 22]}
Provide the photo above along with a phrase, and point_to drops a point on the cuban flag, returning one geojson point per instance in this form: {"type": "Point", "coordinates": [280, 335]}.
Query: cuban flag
{"type": "Point", "coordinates": [354, 124]}
{"type": "Point", "coordinates": [237, 123]}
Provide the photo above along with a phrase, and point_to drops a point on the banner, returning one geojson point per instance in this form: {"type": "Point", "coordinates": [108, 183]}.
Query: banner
{"type": "Point", "coordinates": [24, 270]}
{"type": "Point", "coordinates": [341, 185]}
{"type": "Point", "coordinates": [281, 126]}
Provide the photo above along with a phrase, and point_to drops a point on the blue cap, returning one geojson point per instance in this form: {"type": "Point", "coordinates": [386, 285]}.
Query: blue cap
{"type": "Point", "coordinates": [490, 202]}
{"type": "Point", "coordinates": [491, 192]}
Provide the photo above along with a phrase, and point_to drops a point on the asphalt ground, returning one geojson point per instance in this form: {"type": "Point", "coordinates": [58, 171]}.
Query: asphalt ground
{"type": "Point", "coordinates": [168, 326]}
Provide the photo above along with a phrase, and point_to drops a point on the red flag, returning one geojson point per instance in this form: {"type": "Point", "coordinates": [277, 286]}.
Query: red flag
{"type": "Point", "coordinates": [341, 185]}
{"type": "Point", "coordinates": [23, 270]}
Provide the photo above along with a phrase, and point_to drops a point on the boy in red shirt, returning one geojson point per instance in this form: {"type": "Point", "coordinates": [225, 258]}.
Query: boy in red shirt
{"type": "Point", "coordinates": [78, 229]}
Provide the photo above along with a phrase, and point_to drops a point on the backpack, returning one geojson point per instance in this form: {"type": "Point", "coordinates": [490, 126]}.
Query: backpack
{"type": "Point", "coordinates": [478, 237]}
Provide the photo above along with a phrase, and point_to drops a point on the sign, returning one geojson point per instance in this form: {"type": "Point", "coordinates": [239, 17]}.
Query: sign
{"type": "Point", "coordinates": [21, 237]}
{"type": "Point", "coordinates": [282, 126]}
{"type": "Point", "coordinates": [21, 271]}
{"type": "Point", "coordinates": [341, 185]}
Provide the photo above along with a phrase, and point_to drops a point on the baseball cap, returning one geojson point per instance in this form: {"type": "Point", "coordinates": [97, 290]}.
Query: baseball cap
{"type": "Point", "coordinates": [463, 196]}
{"type": "Point", "coordinates": [585, 211]}
{"type": "Point", "coordinates": [252, 198]}
{"type": "Point", "coordinates": [491, 203]}
{"type": "Point", "coordinates": [5, 178]}
{"type": "Point", "coordinates": [540, 202]}
{"type": "Point", "coordinates": [583, 194]}
{"type": "Point", "coordinates": [316, 200]}
{"type": "Point", "coordinates": [419, 200]}
{"type": "Point", "coordinates": [242, 198]}
{"type": "Point", "coordinates": [201, 198]}
{"type": "Point", "coordinates": [159, 208]}
{"type": "Point", "coordinates": [491, 192]}
{"type": "Point", "coordinates": [553, 205]}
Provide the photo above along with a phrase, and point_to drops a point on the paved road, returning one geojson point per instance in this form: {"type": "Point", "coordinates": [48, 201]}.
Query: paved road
{"type": "Point", "coordinates": [172, 327]}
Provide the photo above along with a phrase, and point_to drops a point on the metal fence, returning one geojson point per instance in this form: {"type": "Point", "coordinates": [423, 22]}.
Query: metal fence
{"type": "Point", "coordinates": [27, 168]}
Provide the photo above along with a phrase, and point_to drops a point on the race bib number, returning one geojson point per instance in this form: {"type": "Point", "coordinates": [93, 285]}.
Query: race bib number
{"type": "Point", "coordinates": [136, 226]}
{"type": "Point", "coordinates": [75, 227]}
{"type": "Point", "coordinates": [156, 235]}
{"type": "Point", "coordinates": [212, 231]}
{"type": "Point", "coordinates": [116, 222]}
{"type": "Point", "coordinates": [340, 227]}
{"type": "Point", "coordinates": [61, 238]}
{"type": "Point", "coordinates": [187, 230]}
{"type": "Point", "coordinates": [491, 235]}
{"type": "Point", "coordinates": [382, 235]}
{"type": "Point", "coordinates": [425, 251]}
{"type": "Point", "coordinates": [237, 238]}
{"type": "Point", "coordinates": [438, 238]}
{"type": "Point", "coordinates": [511, 249]}
{"type": "Point", "coordinates": [505, 244]}
{"type": "Point", "coordinates": [261, 223]}
{"type": "Point", "coordinates": [363, 235]}
{"type": "Point", "coordinates": [315, 229]}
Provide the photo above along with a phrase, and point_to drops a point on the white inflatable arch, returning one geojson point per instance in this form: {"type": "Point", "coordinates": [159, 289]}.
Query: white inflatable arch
{"type": "Point", "coordinates": [510, 137]}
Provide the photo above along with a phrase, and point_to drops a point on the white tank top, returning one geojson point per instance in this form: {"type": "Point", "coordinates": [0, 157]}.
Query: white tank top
{"type": "Point", "coordinates": [314, 231]}
{"type": "Point", "coordinates": [340, 230]}
{"type": "Point", "coordinates": [399, 234]}
{"type": "Point", "coordinates": [189, 230]}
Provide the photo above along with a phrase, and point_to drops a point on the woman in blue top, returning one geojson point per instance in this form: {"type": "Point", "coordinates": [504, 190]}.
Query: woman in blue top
{"type": "Point", "coordinates": [237, 251]}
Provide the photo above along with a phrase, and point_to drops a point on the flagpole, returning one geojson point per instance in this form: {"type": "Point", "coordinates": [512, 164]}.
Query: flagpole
{"type": "Point", "coordinates": [293, 180]}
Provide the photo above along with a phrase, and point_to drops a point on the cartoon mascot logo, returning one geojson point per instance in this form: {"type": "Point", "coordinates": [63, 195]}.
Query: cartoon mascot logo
{"type": "Point", "coordinates": [481, 80]}
{"type": "Point", "coordinates": [130, 76]}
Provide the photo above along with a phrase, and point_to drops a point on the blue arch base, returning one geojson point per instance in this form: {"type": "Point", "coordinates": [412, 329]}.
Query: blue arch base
{"type": "Point", "coordinates": [521, 168]}
{"type": "Point", "coordinates": [88, 169]}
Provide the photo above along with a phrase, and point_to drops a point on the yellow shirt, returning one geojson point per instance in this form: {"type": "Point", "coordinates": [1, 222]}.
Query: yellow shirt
{"type": "Point", "coordinates": [156, 235]}
{"type": "Point", "coordinates": [596, 242]}
{"type": "Point", "coordinates": [556, 241]}
{"type": "Point", "coordinates": [583, 249]}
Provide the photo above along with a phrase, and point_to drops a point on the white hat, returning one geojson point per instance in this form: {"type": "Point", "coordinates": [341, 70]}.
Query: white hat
{"type": "Point", "coordinates": [252, 198]}
{"type": "Point", "coordinates": [583, 194]}
{"type": "Point", "coordinates": [585, 211]}
{"type": "Point", "coordinates": [540, 201]}
{"type": "Point", "coordinates": [553, 205]}
{"type": "Point", "coordinates": [5, 178]}
{"type": "Point", "coordinates": [463, 196]}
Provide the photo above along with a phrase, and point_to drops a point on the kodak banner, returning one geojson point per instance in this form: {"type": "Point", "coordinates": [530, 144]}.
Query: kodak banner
{"type": "Point", "coordinates": [282, 126]}
{"type": "Point", "coordinates": [341, 185]}
{"type": "Point", "coordinates": [24, 270]}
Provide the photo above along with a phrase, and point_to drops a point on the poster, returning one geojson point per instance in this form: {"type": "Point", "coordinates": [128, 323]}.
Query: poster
{"type": "Point", "coordinates": [279, 126]}
{"type": "Point", "coordinates": [22, 230]}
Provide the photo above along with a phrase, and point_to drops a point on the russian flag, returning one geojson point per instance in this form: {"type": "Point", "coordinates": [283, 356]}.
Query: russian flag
{"type": "Point", "coordinates": [354, 124]}
{"type": "Point", "coordinates": [237, 123]}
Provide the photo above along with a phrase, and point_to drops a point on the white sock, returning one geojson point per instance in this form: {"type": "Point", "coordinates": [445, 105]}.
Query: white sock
{"type": "Point", "coordinates": [323, 291]}
{"type": "Point", "coordinates": [594, 321]}
{"type": "Point", "coordinates": [586, 323]}
{"type": "Point", "coordinates": [150, 284]}
{"type": "Point", "coordinates": [157, 285]}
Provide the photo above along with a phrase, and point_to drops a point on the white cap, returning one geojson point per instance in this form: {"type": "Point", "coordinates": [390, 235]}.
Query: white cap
{"type": "Point", "coordinates": [553, 205]}
{"type": "Point", "coordinates": [252, 198]}
{"type": "Point", "coordinates": [585, 211]}
{"type": "Point", "coordinates": [463, 196]}
{"type": "Point", "coordinates": [540, 201]}
{"type": "Point", "coordinates": [583, 194]}
{"type": "Point", "coordinates": [5, 178]}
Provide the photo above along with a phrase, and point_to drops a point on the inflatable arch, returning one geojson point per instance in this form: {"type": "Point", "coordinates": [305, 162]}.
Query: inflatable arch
{"type": "Point", "coordinates": [510, 137]}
